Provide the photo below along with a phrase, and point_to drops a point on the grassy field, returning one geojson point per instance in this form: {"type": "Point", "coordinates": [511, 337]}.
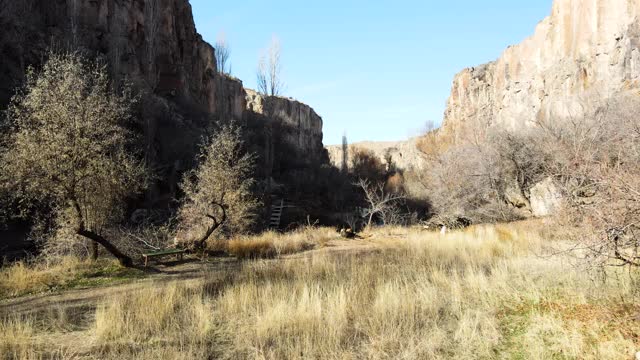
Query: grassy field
{"type": "Point", "coordinates": [24, 279]}
{"type": "Point", "coordinates": [488, 292]}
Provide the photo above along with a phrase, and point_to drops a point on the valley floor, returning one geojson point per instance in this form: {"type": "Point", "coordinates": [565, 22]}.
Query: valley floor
{"type": "Point", "coordinates": [488, 292]}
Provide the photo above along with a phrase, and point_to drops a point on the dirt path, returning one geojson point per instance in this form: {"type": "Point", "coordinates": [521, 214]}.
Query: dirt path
{"type": "Point", "coordinates": [187, 272]}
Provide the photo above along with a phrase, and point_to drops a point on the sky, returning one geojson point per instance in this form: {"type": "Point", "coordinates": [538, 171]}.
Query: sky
{"type": "Point", "coordinates": [375, 70]}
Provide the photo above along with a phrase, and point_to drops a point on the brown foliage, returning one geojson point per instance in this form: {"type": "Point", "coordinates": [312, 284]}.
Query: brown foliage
{"type": "Point", "coordinates": [597, 163]}
{"type": "Point", "coordinates": [365, 164]}
{"type": "Point", "coordinates": [594, 158]}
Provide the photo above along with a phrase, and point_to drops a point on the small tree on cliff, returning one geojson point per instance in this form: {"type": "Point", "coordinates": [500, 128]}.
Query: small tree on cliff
{"type": "Point", "coordinates": [67, 148]}
{"type": "Point", "coordinates": [270, 81]}
{"type": "Point", "coordinates": [222, 52]}
{"type": "Point", "coordinates": [218, 193]}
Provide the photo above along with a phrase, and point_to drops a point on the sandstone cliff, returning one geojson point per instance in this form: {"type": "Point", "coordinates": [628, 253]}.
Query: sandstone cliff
{"type": "Point", "coordinates": [584, 49]}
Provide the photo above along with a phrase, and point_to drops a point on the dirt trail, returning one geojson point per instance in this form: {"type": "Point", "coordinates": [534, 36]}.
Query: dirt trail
{"type": "Point", "coordinates": [187, 272]}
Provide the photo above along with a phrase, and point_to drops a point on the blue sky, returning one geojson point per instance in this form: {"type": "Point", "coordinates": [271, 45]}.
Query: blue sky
{"type": "Point", "coordinates": [377, 70]}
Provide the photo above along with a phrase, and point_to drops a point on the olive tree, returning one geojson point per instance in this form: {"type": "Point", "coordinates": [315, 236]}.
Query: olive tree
{"type": "Point", "coordinates": [67, 148]}
{"type": "Point", "coordinates": [218, 192]}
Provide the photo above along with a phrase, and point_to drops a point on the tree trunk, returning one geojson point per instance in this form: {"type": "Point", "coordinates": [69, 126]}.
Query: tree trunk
{"type": "Point", "coordinates": [203, 241]}
{"type": "Point", "coordinates": [94, 250]}
{"type": "Point", "coordinates": [124, 259]}
{"type": "Point", "coordinates": [96, 238]}
{"type": "Point", "coordinates": [216, 224]}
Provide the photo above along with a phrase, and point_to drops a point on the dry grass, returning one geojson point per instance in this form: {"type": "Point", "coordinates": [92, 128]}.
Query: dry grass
{"type": "Point", "coordinates": [24, 278]}
{"type": "Point", "coordinates": [272, 244]}
{"type": "Point", "coordinates": [482, 293]}
{"type": "Point", "coordinates": [16, 341]}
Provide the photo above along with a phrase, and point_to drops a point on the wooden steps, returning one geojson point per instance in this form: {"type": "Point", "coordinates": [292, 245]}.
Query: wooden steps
{"type": "Point", "coordinates": [276, 214]}
{"type": "Point", "coordinates": [277, 208]}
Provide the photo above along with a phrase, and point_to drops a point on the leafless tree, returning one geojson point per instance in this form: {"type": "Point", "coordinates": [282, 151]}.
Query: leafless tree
{"type": "Point", "coordinates": [597, 163]}
{"type": "Point", "coordinates": [269, 73]}
{"type": "Point", "coordinates": [69, 148]}
{"type": "Point", "coordinates": [115, 55]}
{"type": "Point", "coordinates": [381, 203]}
{"type": "Point", "coordinates": [222, 52]}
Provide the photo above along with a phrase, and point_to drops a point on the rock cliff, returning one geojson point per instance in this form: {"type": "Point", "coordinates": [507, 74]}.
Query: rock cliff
{"type": "Point", "coordinates": [404, 154]}
{"type": "Point", "coordinates": [300, 125]}
{"type": "Point", "coordinates": [155, 45]}
{"type": "Point", "coordinates": [584, 49]}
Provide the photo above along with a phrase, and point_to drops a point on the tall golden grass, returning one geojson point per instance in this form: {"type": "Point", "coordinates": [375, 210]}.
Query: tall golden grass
{"type": "Point", "coordinates": [24, 278]}
{"type": "Point", "coordinates": [272, 244]}
{"type": "Point", "coordinates": [482, 293]}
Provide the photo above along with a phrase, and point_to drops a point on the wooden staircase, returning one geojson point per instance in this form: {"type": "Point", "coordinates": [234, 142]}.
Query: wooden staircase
{"type": "Point", "coordinates": [277, 209]}
{"type": "Point", "coordinates": [276, 214]}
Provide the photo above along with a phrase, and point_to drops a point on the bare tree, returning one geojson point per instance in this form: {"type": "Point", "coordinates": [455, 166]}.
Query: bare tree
{"type": "Point", "coordinates": [270, 81]}
{"type": "Point", "coordinates": [381, 203]}
{"type": "Point", "coordinates": [218, 193]}
{"type": "Point", "coordinates": [222, 52]}
{"type": "Point", "coordinates": [68, 151]}
{"type": "Point", "coordinates": [596, 160]}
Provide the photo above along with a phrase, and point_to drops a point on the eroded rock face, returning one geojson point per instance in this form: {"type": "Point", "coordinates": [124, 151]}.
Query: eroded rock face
{"type": "Point", "coordinates": [300, 125]}
{"type": "Point", "coordinates": [160, 51]}
{"type": "Point", "coordinates": [584, 49]}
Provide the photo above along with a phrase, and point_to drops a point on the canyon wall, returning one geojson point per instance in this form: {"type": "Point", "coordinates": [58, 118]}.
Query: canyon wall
{"type": "Point", "coordinates": [156, 48]}
{"type": "Point", "coordinates": [585, 50]}
{"type": "Point", "coordinates": [154, 45]}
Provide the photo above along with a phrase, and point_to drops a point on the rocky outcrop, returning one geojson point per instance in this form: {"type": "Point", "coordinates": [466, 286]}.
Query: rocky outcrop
{"type": "Point", "coordinates": [584, 49]}
{"type": "Point", "coordinates": [299, 124]}
{"type": "Point", "coordinates": [545, 198]}
{"type": "Point", "coordinates": [405, 155]}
